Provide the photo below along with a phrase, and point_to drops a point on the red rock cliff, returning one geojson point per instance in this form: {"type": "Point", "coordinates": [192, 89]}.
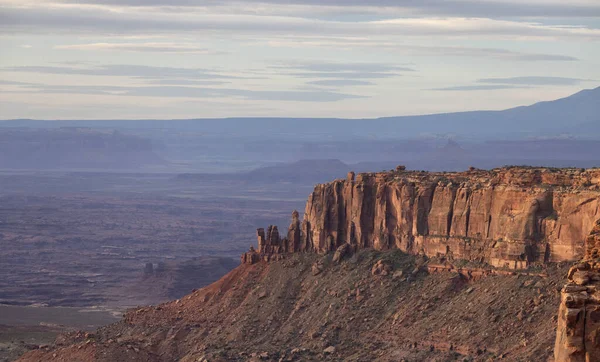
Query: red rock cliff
{"type": "Point", "coordinates": [508, 217]}
{"type": "Point", "coordinates": [578, 331]}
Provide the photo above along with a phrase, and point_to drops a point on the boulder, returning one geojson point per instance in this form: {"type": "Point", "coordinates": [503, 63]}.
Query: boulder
{"type": "Point", "coordinates": [329, 350]}
{"type": "Point", "coordinates": [381, 268]}
{"type": "Point", "coordinates": [341, 252]}
{"type": "Point", "coordinates": [316, 269]}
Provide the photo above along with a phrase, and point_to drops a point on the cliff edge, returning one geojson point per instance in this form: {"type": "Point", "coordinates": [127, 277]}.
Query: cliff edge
{"type": "Point", "coordinates": [509, 217]}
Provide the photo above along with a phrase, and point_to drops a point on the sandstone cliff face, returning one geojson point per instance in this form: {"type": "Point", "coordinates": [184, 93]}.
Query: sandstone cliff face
{"type": "Point", "coordinates": [508, 217]}
{"type": "Point", "coordinates": [578, 331]}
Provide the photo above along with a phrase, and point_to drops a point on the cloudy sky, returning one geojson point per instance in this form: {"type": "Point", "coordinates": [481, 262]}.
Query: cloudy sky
{"type": "Point", "coordinates": [98, 59]}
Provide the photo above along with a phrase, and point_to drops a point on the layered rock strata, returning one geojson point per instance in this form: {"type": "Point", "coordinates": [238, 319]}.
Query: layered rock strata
{"type": "Point", "coordinates": [508, 217]}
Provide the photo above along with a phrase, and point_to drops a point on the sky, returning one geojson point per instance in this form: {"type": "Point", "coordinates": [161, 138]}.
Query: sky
{"type": "Point", "coordinates": [168, 59]}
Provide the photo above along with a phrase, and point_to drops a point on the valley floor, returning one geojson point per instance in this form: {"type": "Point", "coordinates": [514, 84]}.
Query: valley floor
{"type": "Point", "coordinates": [25, 328]}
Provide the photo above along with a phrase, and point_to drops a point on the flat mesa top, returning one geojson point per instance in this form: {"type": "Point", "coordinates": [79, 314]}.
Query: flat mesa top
{"type": "Point", "coordinates": [511, 175]}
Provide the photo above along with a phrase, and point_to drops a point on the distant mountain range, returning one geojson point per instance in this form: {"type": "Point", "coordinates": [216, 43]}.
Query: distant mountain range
{"type": "Point", "coordinates": [575, 114]}
{"type": "Point", "coordinates": [564, 132]}
{"type": "Point", "coordinates": [578, 114]}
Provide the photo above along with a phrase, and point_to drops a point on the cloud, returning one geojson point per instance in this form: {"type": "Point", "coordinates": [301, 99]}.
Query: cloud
{"type": "Point", "coordinates": [542, 57]}
{"type": "Point", "coordinates": [533, 81]}
{"type": "Point", "coordinates": [477, 87]}
{"type": "Point", "coordinates": [351, 43]}
{"type": "Point", "coordinates": [341, 71]}
{"type": "Point", "coordinates": [357, 67]}
{"type": "Point", "coordinates": [494, 53]}
{"type": "Point", "coordinates": [414, 50]}
{"type": "Point", "coordinates": [126, 70]}
{"type": "Point", "coordinates": [515, 82]}
{"type": "Point", "coordinates": [10, 82]}
{"type": "Point", "coordinates": [192, 92]}
{"type": "Point", "coordinates": [186, 82]}
{"type": "Point", "coordinates": [340, 82]}
{"type": "Point", "coordinates": [93, 20]}
{"type": "Point", "coordinates": [141, 47]}
{"type": "Point", "coordinates": [345, 75]}
{"type": "Point", "coordinates": [470, 8]}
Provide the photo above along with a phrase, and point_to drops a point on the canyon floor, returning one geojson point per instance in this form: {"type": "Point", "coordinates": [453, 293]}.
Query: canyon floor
{"type": "Point", "coordinates": [23, 328]}
{"type": "Point", "coordinates": [82, 240]}
{"type": "Point", "coordinates": [382, 306]}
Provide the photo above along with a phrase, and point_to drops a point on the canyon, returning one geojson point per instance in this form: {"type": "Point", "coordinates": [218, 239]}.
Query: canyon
{"type": "Point", "coordinates": [396, 265]}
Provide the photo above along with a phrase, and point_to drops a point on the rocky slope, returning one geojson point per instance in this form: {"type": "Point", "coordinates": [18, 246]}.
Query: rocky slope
{"type": "Point", "coordinates": [371, 306]}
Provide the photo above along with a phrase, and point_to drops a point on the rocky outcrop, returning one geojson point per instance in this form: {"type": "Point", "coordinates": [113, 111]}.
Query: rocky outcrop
{"type": "Point", "coordinates": [578, 331]}
{"type": "Point", "coordinates": [270, 246]}
{"type": "Point", "coordinates": [294, 236]}
{"type": "Point", "coordinates": [340, 252]}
